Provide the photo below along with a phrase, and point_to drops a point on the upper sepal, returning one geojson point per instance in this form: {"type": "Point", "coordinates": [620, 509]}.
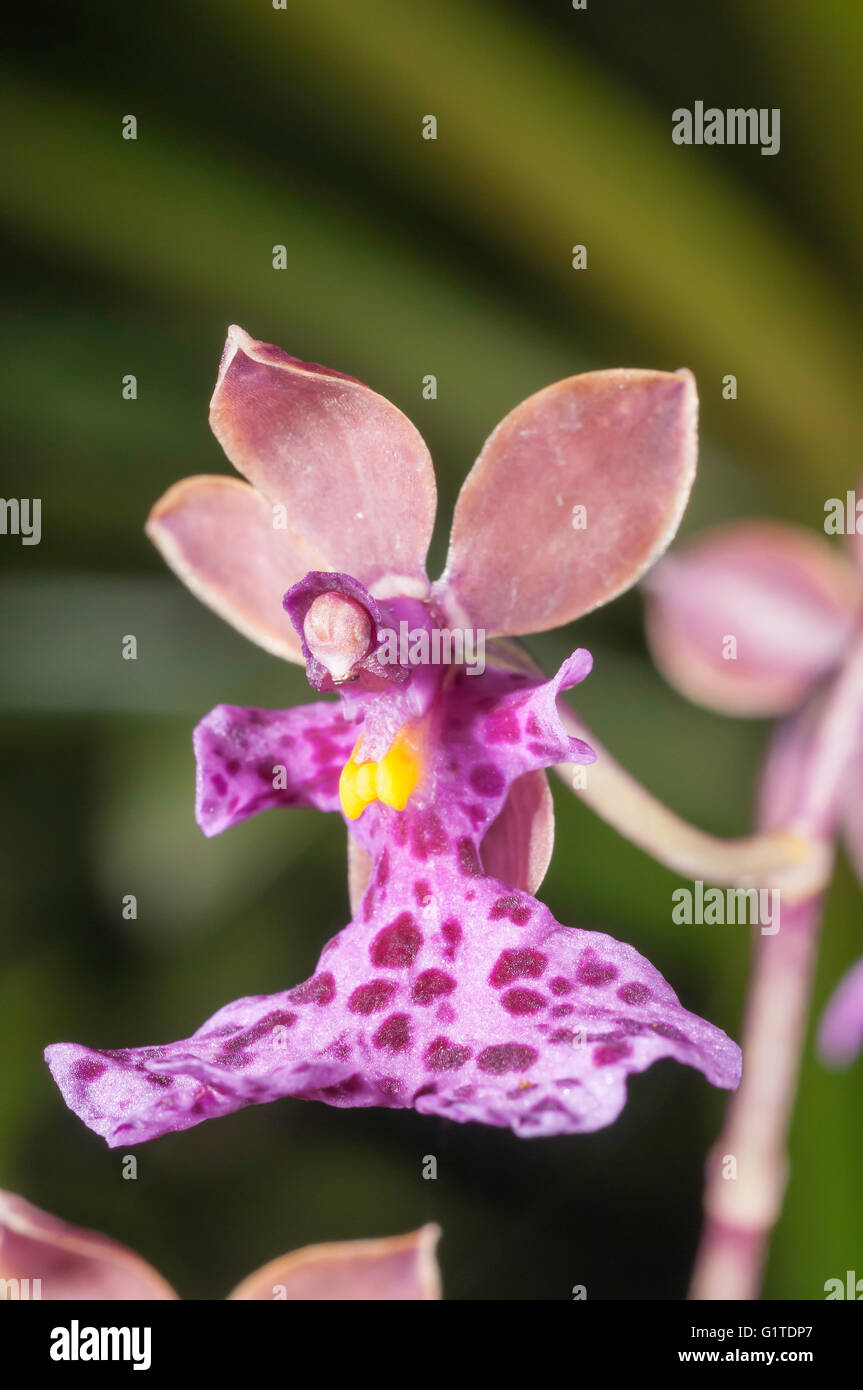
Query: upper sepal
{"type": "Point", "coordinates": [575, 493]}
{"type": "Point", "coordinates": [352, 473]}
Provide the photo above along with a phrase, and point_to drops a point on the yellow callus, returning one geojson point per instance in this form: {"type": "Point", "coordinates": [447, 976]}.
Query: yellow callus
{"type": "Point", "coordinates": [392, 780]}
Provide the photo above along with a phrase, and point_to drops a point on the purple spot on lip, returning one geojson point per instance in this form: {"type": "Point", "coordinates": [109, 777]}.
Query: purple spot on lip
{"type": "Point", "coordinates": [544, 750]}
{"type": "Point", "coordinates": [395, 947]}
{"type": "Point", "coordinates": [548, 1105]}
{"type": "Point", "coordinates": [86, 1069]}
{"type": "Point", "coordinates": [523, 1001]}
{"type": "Point", "coordinates": [468, 859]}
{"type": "Point", "coordinates": [320, 990]}
{"type": "Point", "coordinates": [443, 1055]}
{"type": "Point", "coordinates": [633, 993]}
{"type": "Point", "coordinates": [504, 1057]}
{"type": "Point", "coordinates": [429, 836]}
{"type": "Point", "coordinates": [394, 1033]}
{"type": "Point", "coordinates": [239, 1041]}
{"type": "Point", "coordinates": [451, 933]}
{"type": "Point", "coordinates": [516, 963]}
{"type": "Point", "coordinates": [665, 1030]}
{"type": "Point", "coordinates": [370, 998]}
{"type": "Point", "coordinates": [503, 727]}
{"type": "Point", "coordinates": [512, 907]}
{"type": "Point", "coordinates": [431, 984]}
{"type": "Point", "coordinates": [487, 780]}
{"type": "Point", "coordinates": [593, 971]}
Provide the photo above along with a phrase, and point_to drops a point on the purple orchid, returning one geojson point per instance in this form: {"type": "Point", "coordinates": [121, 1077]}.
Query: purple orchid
{"type": "Point", "coordinates": [452, 990]}
{"type": "Point", "coordinates": [765, 619]}
{"type": "Point", "coordinates": [793, 607]}
{"type": "Point", "coordinates": [45, 1258]}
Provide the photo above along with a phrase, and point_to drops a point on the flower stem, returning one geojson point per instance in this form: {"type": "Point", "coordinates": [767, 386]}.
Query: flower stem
{"type": "Point", "coordinates": [747, 1169]}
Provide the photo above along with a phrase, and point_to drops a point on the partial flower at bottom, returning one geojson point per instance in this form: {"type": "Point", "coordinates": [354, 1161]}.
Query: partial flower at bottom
{"type": "Point", "coordinates": [42, 1257]}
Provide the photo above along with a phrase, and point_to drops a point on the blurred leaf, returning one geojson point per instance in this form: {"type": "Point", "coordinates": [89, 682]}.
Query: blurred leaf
{"type": "Point", "coordinates": [540, 150]}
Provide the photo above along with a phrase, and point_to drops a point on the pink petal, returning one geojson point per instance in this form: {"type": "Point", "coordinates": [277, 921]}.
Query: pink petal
{"type": "Point", "coordinates": [352, 472]}
{"type": "Point", "coordinates": [397, 1269]}
{"type": "Point", "coordinates": [218, 535]}
{"type": "Point", "coordinates": [70, 1262]}
{"type": "Point", "coordinates": [517, 846]}
{"type": "Point", "coordinates": [840, 1033]}
{"type": "Point", "coordinates": [621, 444]}
{"type": "Point", "coordinates": [789, 601]}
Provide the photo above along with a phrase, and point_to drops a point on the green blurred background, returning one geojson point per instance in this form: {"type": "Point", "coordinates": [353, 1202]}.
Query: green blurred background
{"type": "Point", "coordinates": [405, 257]}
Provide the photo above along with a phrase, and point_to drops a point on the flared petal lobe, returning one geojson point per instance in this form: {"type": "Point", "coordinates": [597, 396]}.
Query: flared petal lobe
{"type": "Point", "coordinates": [251, 760]}
{"type": "Point", "coordinates": [747, 618]}
{"type": "Point", "coordinates": [395, 1269]}
{"type": "Point", "coordinates": [352, 473]}
{"type": "Point", "coordinates": [575, 493]}
{"type": "Point", "coordinates": [68, 1261]}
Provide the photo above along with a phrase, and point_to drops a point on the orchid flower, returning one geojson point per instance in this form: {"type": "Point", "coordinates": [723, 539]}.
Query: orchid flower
{"type": "Point", "coordinates": [42, 1257]}
{"type": "Point", "coordinates": [453, 990]}
{"type": "Point", "coordinates": [767, 619]}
